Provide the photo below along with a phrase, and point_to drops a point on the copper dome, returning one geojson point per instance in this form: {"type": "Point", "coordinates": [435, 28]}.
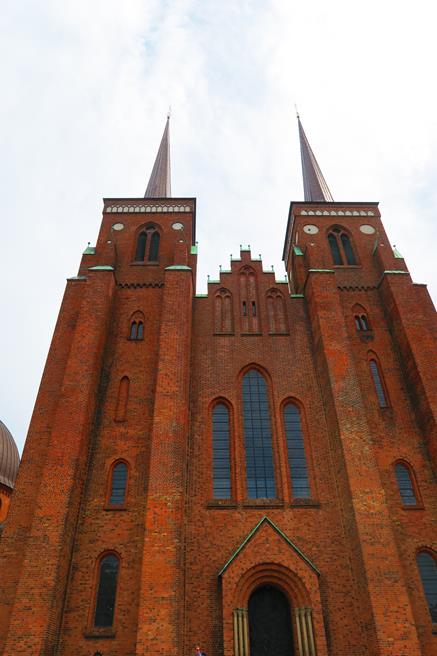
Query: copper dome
{"type": "Point", "coordinates": [9, 458]}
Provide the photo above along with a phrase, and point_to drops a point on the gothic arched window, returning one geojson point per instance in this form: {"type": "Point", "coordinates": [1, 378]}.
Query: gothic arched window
{"type": "Point", "coordinates": [106, 591]}
{"type": "Point", "coordinates": [428, 573]}
{"type": "Point", "coordinates": [296, 452]}
{"type": "Point", "coordinates": [117, 493]}
{"type": "Point", "coordinates": [341, 247]}
{"type": "Point", "coordinates": [136, 331]}
{"type": "Point", "coordinates": [154, 247]}
{"type": "Point", "coordinates": [221, 452]}
{"type": "Point", "coordinates": [147, 248]}
{"type": "Point", "coordinates": [258, 437]}
{"type": "Point", "coordinates": [379, 385]}
{"type": "Point", "coordinates": [141, 247]}
{"type": "Point", "coordinates": [361, 322]}
{"type": "Point", "coordinates": [405, 484]}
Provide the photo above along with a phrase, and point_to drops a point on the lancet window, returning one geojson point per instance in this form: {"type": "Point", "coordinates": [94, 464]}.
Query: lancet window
{"type": "Point", "coordinates": [427, 565]}
{"type": "Point", "coordinates": [106, 591]}
{"type": "Point", "coordinates": [258, 437]}
{"type": "Point", "coordinates": [405, 484]}
{"type": "Point", "coordinates": [119, 474]}
{"type": "Point", "coordinates": [341, 247]}
{"type": "Point", "coordinates": [297, 461]}
{"type": "Point", "coordinates": [147, 248]}
{"type": "Point", "coordinates": [221, 452]}
{"type": "Point", "coordinates": [379, 385]}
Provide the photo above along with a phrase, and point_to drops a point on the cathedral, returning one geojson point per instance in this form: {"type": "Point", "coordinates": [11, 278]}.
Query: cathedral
{"type": "Point", "coordinates": [247, 472]}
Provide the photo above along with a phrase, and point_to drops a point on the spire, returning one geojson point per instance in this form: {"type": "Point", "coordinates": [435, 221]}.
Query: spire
{"type": "Point", "coordinates": [160, 183]}
{"type": "Point", "coordinates": [314, 184]}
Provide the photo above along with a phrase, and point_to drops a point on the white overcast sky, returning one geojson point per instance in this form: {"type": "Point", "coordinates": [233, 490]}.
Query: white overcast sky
{"type": "Point", "coordinates": [85, 89]}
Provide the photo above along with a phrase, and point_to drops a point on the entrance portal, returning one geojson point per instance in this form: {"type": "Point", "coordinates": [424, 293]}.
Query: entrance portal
{"type": "Point", "coordinates": [270, 631]}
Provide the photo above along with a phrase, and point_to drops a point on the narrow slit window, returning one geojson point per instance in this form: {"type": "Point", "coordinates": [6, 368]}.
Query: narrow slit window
{"type": "Point", "coordinates": [106, 591]}
{"type": "Point", "coordinates": [364, 322]}
{"type": "Point", "coordinates": [154, 247]}
{"type": "Point", "coordinates": [405, 485]}
{"type": "Point", "coordinates": [140, 331]}
{"type": "Point", "coordinates": [253, 308]}
{"type": "Point", "coordinates": [244, 309]}
{"type": "Point", "coordinates": [358, 323]}
{"type": "Point", "coordinates": [133, 330]}
{"type": "Point", "coordinates": [221, 452]}
{"type": "Point", "coordinates": [258, 438]}
{"type": "Point", "coordinates": [296, 452]}
{"type": "Point", "coordinates": [378, 384]}
{"type": "Point", "coordinates": [118, 484]}
{"type": "Point", "coordinates": [428, 573]}
{"type": "Point", "coordinates": [141, 247]}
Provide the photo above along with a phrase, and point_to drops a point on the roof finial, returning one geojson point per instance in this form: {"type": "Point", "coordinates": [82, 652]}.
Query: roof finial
{"type": "Point", "coordinates": [160, 179]}
{"type": "Point", "coordinates": [297, 111]}
{"type": "Point", "coordinates": [314, 184]}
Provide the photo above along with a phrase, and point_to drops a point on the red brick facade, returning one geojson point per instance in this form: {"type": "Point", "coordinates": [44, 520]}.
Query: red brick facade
{"type": "Point", "coordinates": [344, 557]}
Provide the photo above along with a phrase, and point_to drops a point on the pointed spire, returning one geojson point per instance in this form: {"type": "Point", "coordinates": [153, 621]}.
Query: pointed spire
{"type": "Point", "coordinates": [314, 184]}
{"type": "Point", "coordinates": [160, 183]}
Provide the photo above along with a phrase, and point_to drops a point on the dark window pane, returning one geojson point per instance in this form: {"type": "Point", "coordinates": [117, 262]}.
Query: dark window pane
{"type": "Point", "coordinates": [118, 484]}
{"type": "Point", "coordinates": [244, 309]}
{"type": "Point", "coordinates": [428, 573]}
{"type": "Point", "coordinates": [335, 251]}
{"type": "Point", "coordinates": [258, 438]}
{"type": "Point", "coordinates": [254, 308]}
{"type": "Point", "coordinates": [220, 448]}
{"type": "Point", "coordinates": [347, 247]}
{"type": "Point", "coordinates": [133, 330]}
{"type": "Point", "coordinates": [364, 322]}
{"type": "Point", "coordinates": [405, 485]}
{"type": "Point", "coordinates": [140, 332]}
{"type": "Point", "coordinates": [378, 384]}
{"type": "Point", "coordinates": [154, 247]}
{"type": "Point", "coordinates": [106, 591]}
{"type": "Point", "coordinates": [296, 452]}
{"type": "Point", "coordinates": [141, 247]}
{"type": "Point", "coordinates": [358, 323]}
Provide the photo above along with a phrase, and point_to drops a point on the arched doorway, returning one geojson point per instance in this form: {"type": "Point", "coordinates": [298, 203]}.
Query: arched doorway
{"type": "Point", "coordinates": [270, 630]}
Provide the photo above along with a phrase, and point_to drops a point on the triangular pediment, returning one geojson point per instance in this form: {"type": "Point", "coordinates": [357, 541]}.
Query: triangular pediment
{"type": "Point", "coordinates": [266, 521]}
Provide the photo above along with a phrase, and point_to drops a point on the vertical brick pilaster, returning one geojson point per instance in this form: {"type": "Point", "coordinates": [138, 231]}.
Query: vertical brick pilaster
{"type": "Point", "coordinates": [160, 621]}
{"type": "Point", "coordinates": [39, 597]}
{"type": "Point", "coordinates": [413, 322]}
{"type": "Point", "coordinates": [385, 606]}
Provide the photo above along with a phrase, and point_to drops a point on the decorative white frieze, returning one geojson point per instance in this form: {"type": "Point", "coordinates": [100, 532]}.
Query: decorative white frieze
{"type": "Point", "coordinates": [147, 208]}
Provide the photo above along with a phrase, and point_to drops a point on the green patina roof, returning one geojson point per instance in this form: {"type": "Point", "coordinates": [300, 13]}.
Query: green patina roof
{"type": "Point", "coordinates": [320, 270]}
{"type": "Point", "coordinates": [101, 267]}
{"type": "Point", "coordinates": [394, 271]}
{"type": "Point", "coordinates": [266, 520]}
{"type": "Point", "coordinates": [397, 254]}
{"type": "Point", "coordinates": [201, 296]}
{"type": "Point", "coordinates": [297, 296]}
{"type": "Point", "coordinates": [90, 250]}
{"type": "Point", "coordinates": [297, 250]}
{"type": "Point", "coordinates": [193, 250]}
{"type": "Point", "coordinates": [178, 267]}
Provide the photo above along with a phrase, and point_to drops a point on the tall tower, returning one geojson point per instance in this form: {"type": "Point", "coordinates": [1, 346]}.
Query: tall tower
{"type": "Point", "coordinates": [252, 469]}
